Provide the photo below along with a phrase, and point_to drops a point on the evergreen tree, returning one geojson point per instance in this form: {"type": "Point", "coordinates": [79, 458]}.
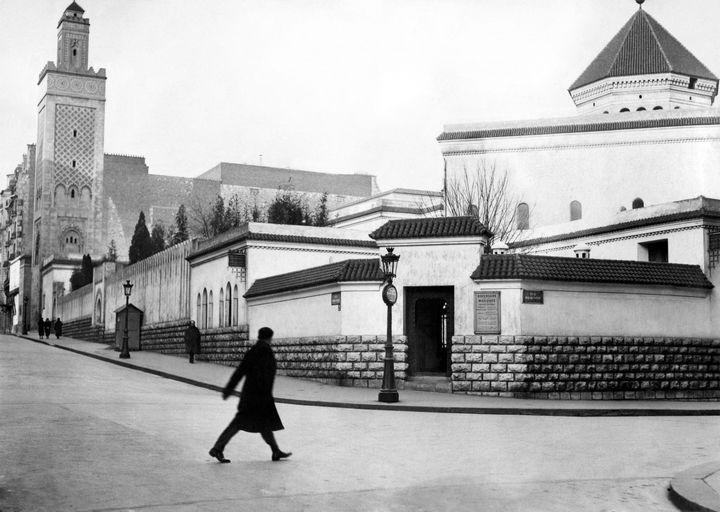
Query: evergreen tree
{"type": "Point", "coordinates": [321, 212]}
{"type": "Point", "coordinates": [181, 226]}
{"type": "Point", "coordinates": [83, 275]}
{"type": "Point", "coordinates": [140, 246]}
{"type": "Point", "coordinates": [219, 222]}
{"type": "Point", "coordinates": [157, 238]}
{"type": "Point", "coordinates": [288, 207]}
{"type": "Point", "coordinates": [112, 251]}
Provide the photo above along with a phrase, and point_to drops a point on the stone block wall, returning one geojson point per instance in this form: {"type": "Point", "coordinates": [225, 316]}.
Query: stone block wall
{"type": "Point", "coordinates": [343, 360]}
{"type": "Point", "coordinates": [222, 346]}
{"type": "Point", "coordinates": [81, 329]}
{"type": "Point", "coordinates": [586, 367]}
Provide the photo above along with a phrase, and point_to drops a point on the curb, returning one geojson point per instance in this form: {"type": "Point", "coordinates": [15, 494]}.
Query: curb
{"type": "Point", "coordinates": [509, 411]}
{"type": "Point", "coordinates": [689, 490]}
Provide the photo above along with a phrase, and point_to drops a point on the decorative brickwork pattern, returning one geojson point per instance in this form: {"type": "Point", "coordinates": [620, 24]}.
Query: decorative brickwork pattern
{"type": "Point", "coordinates": [74, 144]}
{"type": "Point", "coordinates": [587, 368]}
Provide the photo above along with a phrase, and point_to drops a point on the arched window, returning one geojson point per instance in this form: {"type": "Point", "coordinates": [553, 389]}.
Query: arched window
{"type": "Point", "coordinates": [624, 110]}
{"type": "Point", "coordinates": [203, 313]}
{"type": "Point", "coordinates": [71, 239]}
{"type": "Point", "coordinates": [198, 311]}
{"type": "Point", "coordinates": [638, 203]}
{"type": "Point", "coordinates": [575, 210]}
{"type": "Point", "coordinates": [98, 309]}
{"type": "Point", "coordinates": [210, 310]}
{"type": "Point", "coordinates": [657, 108]}
{"type": "Point", "coordinates": [221, 307]}
{"type": "Point", "coordinates": [523, 216]}
{"type": "Point", "coordinates": [228, 304]}
{"type": "Point", "coordinates": [641, 109]}
{"type": "Point", "coordinates": [235, 306]}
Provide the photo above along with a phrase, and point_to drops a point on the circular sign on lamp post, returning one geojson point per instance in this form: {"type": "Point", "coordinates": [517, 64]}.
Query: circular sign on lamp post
{"type": "Point", "coordinates": [389, 295]}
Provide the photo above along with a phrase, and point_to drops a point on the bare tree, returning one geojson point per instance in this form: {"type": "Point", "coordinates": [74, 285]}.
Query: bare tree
{"type": "Point", "coordinates": [485, 192]}
{"type": "Point", "coordinates": [200, 216]}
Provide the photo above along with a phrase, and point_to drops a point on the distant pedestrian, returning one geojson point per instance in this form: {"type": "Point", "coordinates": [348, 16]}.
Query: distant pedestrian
{"type": "Point", "coordinates": [58, 328]}
{"type": "Point", "coordinates": [48, 326]}
{"type": "Point", "coordinates": [192, 341]}
{"type": "Point", "coordinates": [256, 410]}
{"type": "Point", "coordinates": [41, 326]}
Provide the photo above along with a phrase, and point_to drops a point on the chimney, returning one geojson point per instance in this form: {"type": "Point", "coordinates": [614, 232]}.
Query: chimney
{"type": "Point", "coordinates": [499, 247]}
{"type": "Point", "coordinates": [582, 250]}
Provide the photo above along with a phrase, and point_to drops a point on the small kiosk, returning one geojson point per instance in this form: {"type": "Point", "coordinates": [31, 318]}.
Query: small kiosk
{"type": "Point", "coordinates": [135, 316]}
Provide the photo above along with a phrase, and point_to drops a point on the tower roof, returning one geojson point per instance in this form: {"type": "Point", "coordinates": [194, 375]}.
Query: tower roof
{"type": "Point", "coordinates": [642, 47]}
{"type": "Point", "coordinates": [75, 7]}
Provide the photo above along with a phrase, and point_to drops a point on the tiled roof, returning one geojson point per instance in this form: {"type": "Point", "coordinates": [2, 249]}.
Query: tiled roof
{"type": "Point", "coordinates": [348, 270]}
{"type": "Point", "coordinates": [642, 47]}
{"type": "Point", "coordinates": [433, 227]}
{"type": "Point", "coordinates": [244, 232]}
{"type": "Point", "coordinates": [705, 211]}
{"type": "Point", "coordinates": [551, 268]}
{"type": "Point", "coordinates": [75, 7]}
{"type": "Point", "coordinates": [596, 126]}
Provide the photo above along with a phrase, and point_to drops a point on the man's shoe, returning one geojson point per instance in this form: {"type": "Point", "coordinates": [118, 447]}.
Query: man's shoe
{"type": "Point", "coordinates": [214, 452]}
{"type": "Point", "coordinates": [280, 455]}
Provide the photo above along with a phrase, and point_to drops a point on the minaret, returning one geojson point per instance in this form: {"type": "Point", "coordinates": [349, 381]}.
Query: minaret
{"type": "Point", "coordinates": [68, 215]}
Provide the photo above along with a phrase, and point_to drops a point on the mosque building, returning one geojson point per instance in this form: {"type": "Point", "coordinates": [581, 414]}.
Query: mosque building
{"type": "Point", "coordinates": [68, 197]}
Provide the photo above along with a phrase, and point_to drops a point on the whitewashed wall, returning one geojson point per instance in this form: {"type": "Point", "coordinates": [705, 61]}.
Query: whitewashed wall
{"type": "Point", "coordinates": [436, 262]}
{"type": "Point", "coordinates": [75, 305]}
{"type": "Point", "coordinates": [160, 287]}
{"type": "Point", "coordinates": [309, 312]}
{"type": "Point", "coordinates": [604, 170]}
{"type": "Point", "coordinates": [589, 309]}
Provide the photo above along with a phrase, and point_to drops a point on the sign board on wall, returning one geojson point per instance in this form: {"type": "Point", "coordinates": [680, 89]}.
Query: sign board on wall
{"type": "Point", "coordinates": [487, 312]}
{"type": "Point", "coordinates": [533, 297]}
{"type": "Point", "coordinates": [335, 299]}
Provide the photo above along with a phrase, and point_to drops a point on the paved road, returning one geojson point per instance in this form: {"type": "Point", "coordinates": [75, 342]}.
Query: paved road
{"type": "Point", "coordinates": [81, 434]}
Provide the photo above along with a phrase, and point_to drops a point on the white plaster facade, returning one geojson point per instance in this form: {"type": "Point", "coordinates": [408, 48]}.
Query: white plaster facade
{"type": "Point", "coordinates": [273, 255]}
{"type": "Point", "coordinates": [310, 312]}
{"type": "Point", "coordinates": [593, 309]}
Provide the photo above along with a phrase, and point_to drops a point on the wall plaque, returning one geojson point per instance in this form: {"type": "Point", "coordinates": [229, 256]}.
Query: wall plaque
{"type": "Point", "coordinates": [533, 297]}
{"type": "Point", "coordinates": [335, 299]}
{"type": "Point", "coordinates": [487, 312]}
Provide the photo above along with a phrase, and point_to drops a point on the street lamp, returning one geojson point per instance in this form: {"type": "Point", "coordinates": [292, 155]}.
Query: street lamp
{"type": "Point", "coordinates": [388, 392]}
{"type": "Point", "coordinates": [25, 322]}
{"type": "Point", "coordinates": [127, 289]}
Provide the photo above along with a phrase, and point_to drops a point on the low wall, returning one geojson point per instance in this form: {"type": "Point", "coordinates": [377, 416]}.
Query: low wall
{"type": "Point", "coordinates": [586, 368]}
{"type": "Point", "coordinates": [343, 360]}
{"type": "Point", "coordinates": [82, 329]}
{"type": "Point", "coordinates": [76, 305]}
{"type": "Point", "coordinates": [222, 346]}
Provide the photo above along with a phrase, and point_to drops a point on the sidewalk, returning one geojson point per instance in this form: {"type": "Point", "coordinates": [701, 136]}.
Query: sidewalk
{"type": "Point", "coordinates": [290, 390]}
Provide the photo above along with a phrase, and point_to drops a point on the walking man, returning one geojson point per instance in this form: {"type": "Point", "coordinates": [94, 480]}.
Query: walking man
{"type": "Point", "coordinates": [192, 341]}
{"type": "Point", "coordinates": [48, 326]}
{"type": "Point", "coordinates": [58, 328]}
{"type": "Point", "coordinates": [256, 410]}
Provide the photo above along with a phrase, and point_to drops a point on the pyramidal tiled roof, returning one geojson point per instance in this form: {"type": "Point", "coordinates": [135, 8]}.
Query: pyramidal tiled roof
{"type": "Point", "coordinates": [75, 7]}
{"type": "Point", "coordinates": [642, 47]}
{"type": "Point", "coordinates": [431, 227]}
{"type": "Point", "coordinates": [552, 268]}
{"type": "Point", "coordinates": [348, 270]}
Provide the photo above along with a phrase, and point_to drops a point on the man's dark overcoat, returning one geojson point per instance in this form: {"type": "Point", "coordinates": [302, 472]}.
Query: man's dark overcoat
{"type": "Point", "coordinates": [48, 326]}
{"type": "Point", "coordinates": [58, 328]}
{"type": "Point", "coordinates": [192, 340]}
{"type": "Point", "coordinates": [256, 410]}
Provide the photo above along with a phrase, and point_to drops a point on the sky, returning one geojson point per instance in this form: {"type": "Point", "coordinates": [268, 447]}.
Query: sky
{"type": "Point", "coordinates": [346, 86]}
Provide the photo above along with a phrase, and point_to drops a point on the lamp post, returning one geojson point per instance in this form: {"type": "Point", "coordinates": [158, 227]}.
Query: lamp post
{"type": "Point", "coordinates": [24, 318]}
{"type": "Point", "coordinates": [127, 289]}
{"type": "Point", "coordinates": [388, 392]}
